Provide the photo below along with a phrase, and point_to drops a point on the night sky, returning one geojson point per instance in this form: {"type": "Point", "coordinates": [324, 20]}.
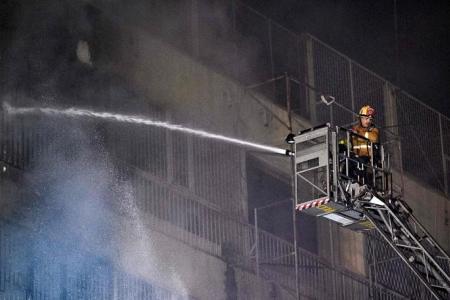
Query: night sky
{"type": "Point", "coordinates": [364, 31]}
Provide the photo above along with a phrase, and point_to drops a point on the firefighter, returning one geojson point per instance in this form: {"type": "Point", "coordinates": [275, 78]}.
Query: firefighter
{"type": "Point", "coordinates": [365, 128]}
{"type": "Point", "coordinates": [364, 145]}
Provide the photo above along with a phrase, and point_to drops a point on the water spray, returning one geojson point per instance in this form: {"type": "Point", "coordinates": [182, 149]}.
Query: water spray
{"type": "Point", "coordinates": [75, 112]}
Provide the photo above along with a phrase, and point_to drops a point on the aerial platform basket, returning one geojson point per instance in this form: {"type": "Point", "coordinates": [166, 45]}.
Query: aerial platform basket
{"type": "Point", "coordinates": [323, 184]}
{"type": "Point", "coordinates": [332, 182]}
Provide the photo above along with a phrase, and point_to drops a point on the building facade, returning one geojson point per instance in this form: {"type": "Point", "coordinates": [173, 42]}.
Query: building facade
{"type": "Point", "coordinates": [111, 210]}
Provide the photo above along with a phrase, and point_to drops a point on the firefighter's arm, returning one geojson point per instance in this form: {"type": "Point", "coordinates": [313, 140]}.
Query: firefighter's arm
{"type": "Point", "coordinates": [375, 135]}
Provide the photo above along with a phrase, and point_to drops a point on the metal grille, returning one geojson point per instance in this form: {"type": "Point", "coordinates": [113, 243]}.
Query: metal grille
{"type": "Point", "coordinates": [332, 77]}
{"type": "Point", "coordinates": [368, 88]}
{"type": "Point", "coordinates": [421, 143]}
{"type": "Point", "coordinates": [139, 145]}
{"type": "Point", "coordinates": [30, 269]}
{"type": "Point", "coordinates": [16, 148]}
{"type": "Point", "coordinates": [180, 158]}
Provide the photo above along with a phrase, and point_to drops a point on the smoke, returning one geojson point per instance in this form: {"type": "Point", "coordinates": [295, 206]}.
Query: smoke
{"type": "Point", "coordinates": [62, 53]}
{"type": "Point", "coordinates": [58, 52]}
{"type": "Point", "coordinates": [69, 219]}
{"type": "Point", "coordinates": [85, 221]}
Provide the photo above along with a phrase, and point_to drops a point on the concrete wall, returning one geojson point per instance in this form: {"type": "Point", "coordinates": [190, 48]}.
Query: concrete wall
{"type": "Point", "coordinates": [430, 208]}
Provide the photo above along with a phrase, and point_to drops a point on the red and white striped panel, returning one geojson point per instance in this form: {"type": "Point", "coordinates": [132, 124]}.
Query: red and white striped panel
{"type": "Point", "coordinates": [312, 203]}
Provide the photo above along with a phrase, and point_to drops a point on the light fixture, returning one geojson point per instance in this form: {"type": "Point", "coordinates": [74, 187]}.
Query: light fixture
{"type": "Point", "coordinates": [290, 138]}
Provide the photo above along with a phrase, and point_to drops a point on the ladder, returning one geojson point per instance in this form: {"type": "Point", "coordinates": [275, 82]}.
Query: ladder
{"type": "Point", "coordinates": [410, 240]}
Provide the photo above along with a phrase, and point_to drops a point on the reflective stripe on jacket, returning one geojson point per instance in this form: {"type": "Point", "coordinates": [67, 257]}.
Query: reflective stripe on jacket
{"type": "Point", "coordinates": [361, 146]}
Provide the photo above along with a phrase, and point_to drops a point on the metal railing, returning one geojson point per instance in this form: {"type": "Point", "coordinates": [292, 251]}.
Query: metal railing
{"type": "Point", "coordinates": [214, 232]}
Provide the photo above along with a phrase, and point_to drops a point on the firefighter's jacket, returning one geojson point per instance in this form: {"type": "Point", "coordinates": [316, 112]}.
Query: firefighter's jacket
{"type": "Point", "coordinates": [360, 146]}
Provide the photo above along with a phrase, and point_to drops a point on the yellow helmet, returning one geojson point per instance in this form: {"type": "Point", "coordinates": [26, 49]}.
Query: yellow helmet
{"type": "Point", "coordinates": [367, 111]}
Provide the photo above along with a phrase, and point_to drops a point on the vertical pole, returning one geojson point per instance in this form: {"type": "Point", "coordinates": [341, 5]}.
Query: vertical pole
{"type": "Point", "coordinates": [328, 137]}
{"type": "Point", "coordinates": [383, 168]}
{"type": "Point", "coordinates": [335, 151]}
{"type": "Point", "coordinates": [394, 99]}
{"type": "Point", "coordinates": [348, 142]}
{"type": "Point", "coordinates": [391, 119]}
{"type": "Point", "coordinates": [294, 220]}
{"type": "Point", "coordinates": [444, 164]}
